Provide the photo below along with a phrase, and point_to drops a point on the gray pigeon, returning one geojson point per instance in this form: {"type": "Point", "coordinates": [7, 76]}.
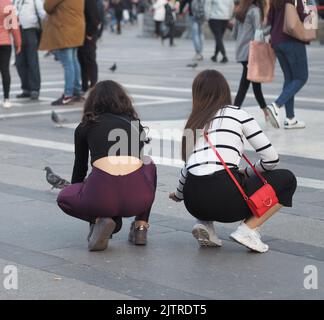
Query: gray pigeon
{"type": "Point", "coordinates": [54, 180]}
{"type": "Point", "coordinates": [113, 68]}
{"type": "Point", "coordinates": [57, 119]}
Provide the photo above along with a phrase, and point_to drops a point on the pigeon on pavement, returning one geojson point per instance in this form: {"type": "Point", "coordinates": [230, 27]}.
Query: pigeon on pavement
{"type": "Point", "coordinates": [57, 119]}
{"type": "Point", "coordinates": [54, 180]}
{"type": "Point", "coordinates": [113, 68]}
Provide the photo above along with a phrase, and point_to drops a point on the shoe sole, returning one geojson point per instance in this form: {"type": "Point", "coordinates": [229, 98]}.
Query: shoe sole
{"type": "Point", "coordinates": [99, 240]}
{"type": "Point", "coordinates": [202, 236]}
{"type": "Point", "coordinates": [294, 128]}
{"type": "Point", "coordinates": [274, 122]}
{"type": "Point", "coordinates": [237, 240]}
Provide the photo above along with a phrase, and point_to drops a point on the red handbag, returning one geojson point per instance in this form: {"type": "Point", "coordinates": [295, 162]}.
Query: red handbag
{"type": "Point", "coordinates": [263, 199]}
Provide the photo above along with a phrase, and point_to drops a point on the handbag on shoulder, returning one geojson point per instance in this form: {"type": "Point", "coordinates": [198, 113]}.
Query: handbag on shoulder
{"type": "Point", "coordinates": [304, 31]}
{"type": "Point", "coordinates": [263, 199]}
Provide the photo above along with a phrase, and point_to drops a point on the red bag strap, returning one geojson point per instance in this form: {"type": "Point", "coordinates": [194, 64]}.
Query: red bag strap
{"type": "Point", "coordinates": [255, 170]}
{"type": "Point", "coordinates": [226, 167]}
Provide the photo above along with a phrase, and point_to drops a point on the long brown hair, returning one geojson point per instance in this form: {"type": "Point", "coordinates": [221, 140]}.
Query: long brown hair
{"type": "Point", "coordinates": [244, 8]}
{"type": "Point", "coordinates": [210, 93]}
{"type": "Point", "coordinates": [108, 97]}
{"type": "Point", "coordinates": [278, 4]}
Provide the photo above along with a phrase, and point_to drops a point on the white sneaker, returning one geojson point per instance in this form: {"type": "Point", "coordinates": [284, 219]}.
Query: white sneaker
{"type": "Point", "coordinates": [198, 57]}
{"type": "Point", "coordinates": [294, 124]}
{"type": "Point", "coordinates": [206, 235]}
{"type": "Point", "coordinates": [249, 238]}
{"type": "Point", "coordinates": [7, 104]}
{"type": "Point", "coordinates": [273, 111]}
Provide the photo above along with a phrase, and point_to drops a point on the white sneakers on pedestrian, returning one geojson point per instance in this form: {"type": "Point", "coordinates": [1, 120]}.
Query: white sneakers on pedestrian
{"type": "Point", "coordinates": [198, 57]}
{"type": "Point", "coordinates": [249, 238]}
{"type": "Point", "coordinates": [206, 235]}
{"type": "Point", "coordinates": [6, 104]}
{"type": "Point", "coordinates": [273, 113]}
{"type": "Point", "coordinates": [294, 124]}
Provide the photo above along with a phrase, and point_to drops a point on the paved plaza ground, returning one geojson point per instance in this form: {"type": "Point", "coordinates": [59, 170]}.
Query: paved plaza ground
{"type": "Point", "coordinates": [50, 248]}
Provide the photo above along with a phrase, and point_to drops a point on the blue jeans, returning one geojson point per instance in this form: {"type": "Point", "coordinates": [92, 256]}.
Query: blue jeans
{"type": "Point", "coordinates": [27, 62]}
{"type": "Point", "coordinates": [197, 36]}
{"type": "Point", "coordinates": [72, 73]}
{"type": "Point", "coordinates": [292, 58]}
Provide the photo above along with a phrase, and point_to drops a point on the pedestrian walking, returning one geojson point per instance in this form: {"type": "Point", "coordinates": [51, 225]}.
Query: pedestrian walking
{"type": "Point", "coordinates": [63, 33]}
{"type": "Point", "coordinates": [122, 182]}
{"type": "Point", "coordinates": [159, 16]}
{"type": "Point", "coordinates": [197, 18]}
{"type": "Point", "coordinates": [118, 8]}
{"type": "Point", "coordinates": [30, 14]}
{"type": "Point", "coordinates": [142, 7]}
{"type": "Point", "coordinates": [218, 13]}
{"type": "Point", "coordinates": [87, 54]}
{"type": "Point", "coordinates": [169, 22]}
{"type": "Point", "coordinates": [249, 18]}
{"type": "Point", "coordinates": [292, 56]}
{"type": "Point", "coordinates": [8, 26]}
{"type": "Point", "coordinates": [208, 191]}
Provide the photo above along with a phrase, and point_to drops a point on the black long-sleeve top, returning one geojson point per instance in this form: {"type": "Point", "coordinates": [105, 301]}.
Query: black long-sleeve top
{"type": "Point", "coordinates": [101, 139]}
{"type": "Point", "coordinates": [92, 17]}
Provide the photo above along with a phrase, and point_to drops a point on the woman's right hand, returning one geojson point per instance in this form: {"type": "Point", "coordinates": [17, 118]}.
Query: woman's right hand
{"type": "Point", "coordinates": [18, 49]}
{"type": "Point", "coordinates": [173, 197]}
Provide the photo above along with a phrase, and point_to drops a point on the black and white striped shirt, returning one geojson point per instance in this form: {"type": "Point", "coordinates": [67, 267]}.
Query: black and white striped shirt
{"type": "Point", "coordinates": [226, 132]}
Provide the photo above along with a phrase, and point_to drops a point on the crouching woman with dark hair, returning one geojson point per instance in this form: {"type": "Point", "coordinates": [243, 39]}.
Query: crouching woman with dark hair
{"type": "Point", "coordinates": [122, 182]}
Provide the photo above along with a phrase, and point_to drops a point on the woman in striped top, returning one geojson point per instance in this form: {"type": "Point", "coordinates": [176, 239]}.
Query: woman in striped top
{"type": "Point", "coordinates": [208, 192]}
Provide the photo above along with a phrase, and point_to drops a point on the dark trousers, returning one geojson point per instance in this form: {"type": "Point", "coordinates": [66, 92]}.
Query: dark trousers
{"type": "Point", "coordinates": [119, 18]}
{"type": "Point", "coordinates": [218, 28]}
{"type": "Point", "coordinates": [244, 87]}
{"type": "Point", "coordinates": [5, 53]}
{"type": "Point", "coordinates": [103, 195]}
{"type": "Point", "coordinates": [170, 34]}
{"type": "Point", "coordinates": [27, 61]}
{"type": "Point", "coordinates": [158, 28]}
{"type": "Point", "coordinates": [87, 55]}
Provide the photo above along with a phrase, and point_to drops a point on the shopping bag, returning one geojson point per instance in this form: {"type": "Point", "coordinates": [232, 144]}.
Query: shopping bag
{"type": "Point", "coordinates": [262, 60]}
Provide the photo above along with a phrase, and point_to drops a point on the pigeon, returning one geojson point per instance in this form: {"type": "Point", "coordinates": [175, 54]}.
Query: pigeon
{"type": "Point", "coordinates": [192, 65]}
{"type": "Point", "coordinates": [57, 119]}
{"type": "Point", "coordinates": [113, 68]}
{"type": "Point", "coordinates": [54, 180]}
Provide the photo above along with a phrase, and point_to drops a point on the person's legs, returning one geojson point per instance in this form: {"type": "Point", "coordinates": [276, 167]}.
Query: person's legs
{"type": "Point", "coordinates": [84, 68]}
{"type": "Point", "coordinates": [77, 73]}
{"type": "Point", "coordinates": [66, 57]}
{"type": "Point", "coordinates": [293, 61]}
{"type": "Point", "coordinates": [220, 28]}
{"type": "Point", "coordinates": [244, 87]}
{"type": "Point", "coordinates": [33, 71]}
{"type": "Point", "coordinates": [171, 34]}
{"type": "Point", "coordinates": [5, 54]}
{"type": "Point", "coordinates": [22, 64]}
{"type": "Point", "coordinates": [213, 27]}
{"type": "Point", "coordinates": [196, 36]}
{"type": "Point", "coordinates": [257, 89]}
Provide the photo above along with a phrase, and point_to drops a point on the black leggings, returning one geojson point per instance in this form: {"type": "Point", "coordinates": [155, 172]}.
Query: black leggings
{"type": "Point", "coordinates": [218, 28]}
{"type": "Point", "coordinates": [215, 197]}
{"type": "Point", "coordinates": [244, 87]}
{"type": "Point", "coordinates": [5, 54]}
{"type": "Point", "coordinates": [158, 28]}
